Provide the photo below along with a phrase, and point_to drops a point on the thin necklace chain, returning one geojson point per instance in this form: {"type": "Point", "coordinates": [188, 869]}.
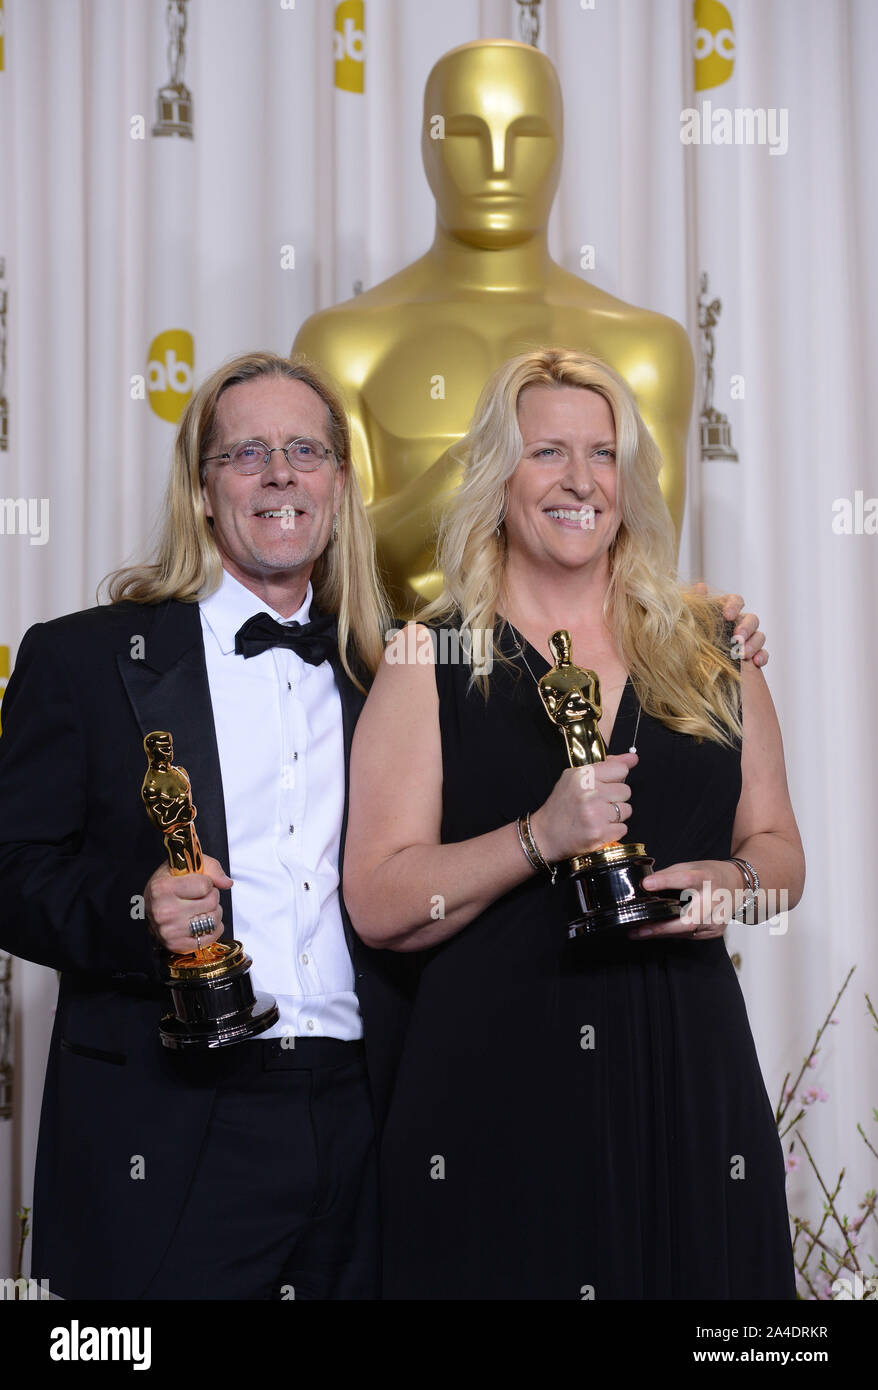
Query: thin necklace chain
{"type": "Point", "coordinates": [520, 652]}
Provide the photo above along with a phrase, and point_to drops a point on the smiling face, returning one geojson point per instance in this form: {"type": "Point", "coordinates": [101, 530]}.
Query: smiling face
{"type": "Point", "coordinates": [271, 527]}
{"type": "Point", "coordinates": [562, 503]}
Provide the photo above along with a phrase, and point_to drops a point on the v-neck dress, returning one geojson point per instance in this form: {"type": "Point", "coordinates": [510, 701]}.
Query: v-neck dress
{"type": "Point", "coordinates": [586, 1120]}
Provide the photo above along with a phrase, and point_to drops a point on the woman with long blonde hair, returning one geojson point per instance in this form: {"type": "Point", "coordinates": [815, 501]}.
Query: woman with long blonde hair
{"type": "Point", "coordinates": [567, 1117]}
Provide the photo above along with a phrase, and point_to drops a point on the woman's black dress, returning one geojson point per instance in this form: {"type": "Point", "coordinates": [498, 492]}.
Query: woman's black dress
{"type": "Point", "coordinates": [587, 1120]}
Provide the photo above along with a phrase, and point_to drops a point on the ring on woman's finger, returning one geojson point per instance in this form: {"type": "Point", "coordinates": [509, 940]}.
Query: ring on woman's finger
{"type": "Point", "coordinates": [201, 926]}
{"type": "Point", "coordinates": [618, 810]}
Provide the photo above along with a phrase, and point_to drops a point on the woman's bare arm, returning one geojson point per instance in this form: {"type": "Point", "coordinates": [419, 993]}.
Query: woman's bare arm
{"type": "Point", "coordinates": [765, 830]}
{"type": "Point", "coordinates": [764, 833]}
{"type": "Point", "coordinates": [403, 889]}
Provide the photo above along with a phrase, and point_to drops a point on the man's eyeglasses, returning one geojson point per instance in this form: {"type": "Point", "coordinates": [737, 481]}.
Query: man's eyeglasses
{"type": "Point", "coordinates": [251, 455]}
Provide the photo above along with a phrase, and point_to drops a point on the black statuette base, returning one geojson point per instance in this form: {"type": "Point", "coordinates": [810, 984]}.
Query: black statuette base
{"type": "Point", "coordinates": [211, 1013]}
{"type": "Point", "coordinates": [610, 896]}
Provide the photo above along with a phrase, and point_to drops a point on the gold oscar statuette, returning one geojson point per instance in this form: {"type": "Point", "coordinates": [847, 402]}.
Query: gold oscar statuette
{"type": "Point", "coordinates": [213, 998]}
{"type": "Point", "coordinates": [607, 881]}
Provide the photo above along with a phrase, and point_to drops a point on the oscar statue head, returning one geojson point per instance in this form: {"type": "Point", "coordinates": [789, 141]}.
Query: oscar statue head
{"type": "Point", "coordinates": [494, 159]}
{"type": "Point", "coordinates": [560, 647]}
{"type": "Point", "coordinates": [159, 747]}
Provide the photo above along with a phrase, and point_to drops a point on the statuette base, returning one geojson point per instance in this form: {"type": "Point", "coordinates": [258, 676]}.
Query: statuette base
{"type": "Point", "coordinates": [608, 890]}
{"type": "Point", "coordinates": [214, 1002]}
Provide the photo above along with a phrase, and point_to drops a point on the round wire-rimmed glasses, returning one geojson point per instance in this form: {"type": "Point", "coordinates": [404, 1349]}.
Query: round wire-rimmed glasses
{"type": "Point", "coordinates": [252, 455]}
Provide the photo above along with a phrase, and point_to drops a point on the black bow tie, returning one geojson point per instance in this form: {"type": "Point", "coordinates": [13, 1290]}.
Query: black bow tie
{"type": "Point", "coordinates": [313, 642]}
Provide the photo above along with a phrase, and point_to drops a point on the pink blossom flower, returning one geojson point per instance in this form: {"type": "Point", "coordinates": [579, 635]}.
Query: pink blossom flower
{"type": "Point", "coordinates": [813, 1093]}
{"type": "Point", "coordinates": [793, 1162]}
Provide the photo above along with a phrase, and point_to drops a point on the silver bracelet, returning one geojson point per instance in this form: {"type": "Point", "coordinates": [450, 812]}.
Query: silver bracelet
{"type": "Point", "coordinates": [747, 912]}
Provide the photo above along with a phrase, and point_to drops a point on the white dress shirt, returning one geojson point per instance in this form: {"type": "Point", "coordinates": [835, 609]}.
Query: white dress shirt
{"type": "Point", "coordinates": [281, 750]}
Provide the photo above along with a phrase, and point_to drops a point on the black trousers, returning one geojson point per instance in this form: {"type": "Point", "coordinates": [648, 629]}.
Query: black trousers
{"type": "Point", "coordinates": [283, 1202]}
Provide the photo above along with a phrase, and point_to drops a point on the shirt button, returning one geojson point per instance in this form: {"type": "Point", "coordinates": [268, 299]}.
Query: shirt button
{"type": "Point", "coordinates": [292, 829]}
{"type": "Point", "coordinates": [307, 888]}
{"type": "Point", "coordinates": [295, 757]}
{"type": "Point", "coordinates": [305, 957]}
{"type": "Point", "coordinates": [289, 687]}
{"type": "Point", "coordinates": [310, 1025]}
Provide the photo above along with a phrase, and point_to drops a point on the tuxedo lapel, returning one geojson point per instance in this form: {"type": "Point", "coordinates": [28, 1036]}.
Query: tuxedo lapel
{"type": "Point", "coordinates": [168, 690]}
{"type": "Point", "coordinates": [352, 701]}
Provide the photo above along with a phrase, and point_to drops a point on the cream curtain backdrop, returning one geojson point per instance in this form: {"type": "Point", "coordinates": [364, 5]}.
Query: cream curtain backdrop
{"type": "Point", "coordinates": [294, 188]}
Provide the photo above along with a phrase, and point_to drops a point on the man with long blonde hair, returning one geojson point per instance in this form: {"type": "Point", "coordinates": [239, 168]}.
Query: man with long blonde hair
{"type": "Point", "coordinates": [251, 637]}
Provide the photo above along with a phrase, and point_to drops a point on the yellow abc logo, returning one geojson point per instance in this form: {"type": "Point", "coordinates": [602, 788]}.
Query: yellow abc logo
{"type": "Point", "coordinates": [4, 672]}
{"type": "Point", "coordinates": [169, 373]}
{"type": "Point", "coordinates": [714, 44]}
{"type": "Point", "coordinates": [348, 45]}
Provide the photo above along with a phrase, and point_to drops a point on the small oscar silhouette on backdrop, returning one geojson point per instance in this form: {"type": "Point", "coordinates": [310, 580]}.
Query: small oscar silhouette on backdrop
{"type": "Point", "coordinates": [716, 432]}
{"type": "Point", "coordinates": [213, 998]}
{"type": "Point", "coordinates": [174, 99]}
{"type": "Point", "coordinates": [606, 881]}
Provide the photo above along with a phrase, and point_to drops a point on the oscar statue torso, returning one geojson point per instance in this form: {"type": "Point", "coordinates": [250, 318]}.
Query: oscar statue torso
{"type": "Point", "coordinates": [167, 796]}
{"type": "Point", "coordinates": [572, 699]}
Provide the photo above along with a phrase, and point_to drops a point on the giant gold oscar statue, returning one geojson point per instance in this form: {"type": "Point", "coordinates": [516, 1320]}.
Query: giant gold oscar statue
{"type": "Point", "coordinates": [412, 354]}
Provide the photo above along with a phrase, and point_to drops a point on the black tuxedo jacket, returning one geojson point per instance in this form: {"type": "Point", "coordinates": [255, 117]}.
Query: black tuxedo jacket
{"type": "Point", "coordinates": [123, 1119]}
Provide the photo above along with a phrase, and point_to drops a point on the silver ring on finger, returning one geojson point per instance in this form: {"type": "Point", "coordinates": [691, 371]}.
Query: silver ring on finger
{"type": "Point", "coordinates": [201, 926]}
{"type": "Point", "coordinates": [618, 811]}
